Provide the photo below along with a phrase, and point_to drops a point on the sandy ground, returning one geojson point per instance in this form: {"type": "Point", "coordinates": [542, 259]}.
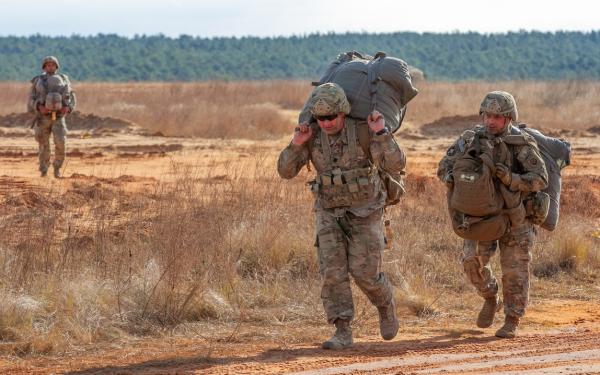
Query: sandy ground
{"type": "Point", "coordinates": [559, 336]}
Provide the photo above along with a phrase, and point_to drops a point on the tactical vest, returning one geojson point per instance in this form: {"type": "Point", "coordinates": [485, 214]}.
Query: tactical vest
{"type": "Point", "coordinates": [338, 186]}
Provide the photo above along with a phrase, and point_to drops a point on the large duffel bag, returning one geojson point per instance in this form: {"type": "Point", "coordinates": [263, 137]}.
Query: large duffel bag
{"type": "Point", "coordinates": [556, 153]}
{"type": "Point", "coordinates": [380, 82]}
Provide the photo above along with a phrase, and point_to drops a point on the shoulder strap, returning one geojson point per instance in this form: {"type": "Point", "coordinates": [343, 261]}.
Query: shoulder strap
{"type": "Point", "coordinates": [364, 139]}
{"type": "Point", "coordinates": [373, 77]}
{"type": "Point", "coordinates": [515, 139]}
{"type": "Point", "coordinates": [326, 149]}
{"type": "Point", "coordinates": [44, 79]}
{"type": "Point", "coordinates": [351, 138]}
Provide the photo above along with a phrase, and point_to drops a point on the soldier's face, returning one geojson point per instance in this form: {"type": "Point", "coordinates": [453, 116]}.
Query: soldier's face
{"type": "Point", "coordinates": [50, 67]}
{"type": "Point", "coordinates": [494, 123]}
{"type": "Point", "coordinates": [332, 126]}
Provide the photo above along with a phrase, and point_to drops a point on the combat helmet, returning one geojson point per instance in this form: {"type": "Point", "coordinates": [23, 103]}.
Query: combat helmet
{"type": "Point", "coordinates": [328, 99]}
{"type": "Point", "coordinates": [499, 103]}
{"type": "Point", "coordinates": [48, 59]}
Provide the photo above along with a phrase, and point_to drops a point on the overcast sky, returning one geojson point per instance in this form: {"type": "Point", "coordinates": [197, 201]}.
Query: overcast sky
{"type": "Point", "coordinates": [290, 17]}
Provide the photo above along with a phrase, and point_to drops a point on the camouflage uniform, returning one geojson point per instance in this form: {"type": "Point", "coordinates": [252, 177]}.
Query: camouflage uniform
{"type": "Point", "coordinates": [528, 174]}
{"type": "Point", "coordinates": [349, 224]}
{"type": "Point", "coordinates": [44, 125]}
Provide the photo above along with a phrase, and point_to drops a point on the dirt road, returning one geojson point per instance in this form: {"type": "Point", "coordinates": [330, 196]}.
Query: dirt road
{"type": "Point", "coordinates": [558, 337]}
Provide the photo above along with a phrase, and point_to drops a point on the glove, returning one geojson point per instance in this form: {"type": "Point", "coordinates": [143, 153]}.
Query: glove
{"type": "Point", "coordinates": [449, 180]}
{"type": "Point", "coordinates": [504, 174]}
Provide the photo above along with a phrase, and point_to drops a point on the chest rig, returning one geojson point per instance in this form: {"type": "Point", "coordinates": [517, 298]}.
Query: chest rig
{"type": "Point", "coordinates": [348, 181]}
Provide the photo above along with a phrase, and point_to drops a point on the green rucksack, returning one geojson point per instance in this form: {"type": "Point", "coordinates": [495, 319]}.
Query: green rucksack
{"type": "Point", "coordinates": [475, 202]}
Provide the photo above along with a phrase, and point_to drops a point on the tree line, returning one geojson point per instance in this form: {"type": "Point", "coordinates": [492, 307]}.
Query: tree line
{"type": "Point", "coordinates": [442, 56]}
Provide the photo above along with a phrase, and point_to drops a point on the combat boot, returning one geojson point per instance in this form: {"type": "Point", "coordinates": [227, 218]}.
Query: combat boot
{"type": "Point", "coordinates": [509, 329]}
{"type": "Point", "coordinates": [490, 307]}
{"type": "Point", "coordinates": [388, 321]}
{"type": "Point", "coordinates": [56, 172]}
{"type": "Point", "coordinates": [43, 173]}
{"type": "Point", "coordinates": [342, 338]}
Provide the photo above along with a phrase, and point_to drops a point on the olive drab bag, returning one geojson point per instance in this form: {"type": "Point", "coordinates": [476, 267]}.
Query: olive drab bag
{"type": "Point", "coordinates": [556, 154]}
{"type": "Point", "coordinates": [475, 202]}
{"type": "Point", "coordinates": [380, 82]}
{"type": "Point", "coordinates": [481, 207]}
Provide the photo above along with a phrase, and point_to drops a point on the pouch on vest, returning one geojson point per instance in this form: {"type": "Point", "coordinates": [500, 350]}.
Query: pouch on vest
{"type": "Point", "coordinates": [394, 187]}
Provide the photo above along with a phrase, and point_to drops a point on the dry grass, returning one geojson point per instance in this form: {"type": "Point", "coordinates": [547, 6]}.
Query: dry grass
{"type": "Point", "coordinates": [572, 250]}
{"type": "Point", "coordinates": [259, 110]}
{"type": "Point", "coordinates": [561, 104]}
{"type": "Point", "coordinates": [95, 262]}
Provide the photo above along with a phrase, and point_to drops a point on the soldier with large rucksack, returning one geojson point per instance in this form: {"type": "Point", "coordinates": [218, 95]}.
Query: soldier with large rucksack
{"type": "Point", "coordinates": [345, 132]}
{"type": "Point", "coordinates": [350, 196]}
{"type": "Point", "coordinates": [495, 176]}
{"type": "Point", "coordinates": [51, 99]}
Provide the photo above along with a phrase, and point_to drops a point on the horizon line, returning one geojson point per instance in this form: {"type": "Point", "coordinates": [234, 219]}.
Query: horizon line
{"type": "Point", "coordinates": [303, 35]}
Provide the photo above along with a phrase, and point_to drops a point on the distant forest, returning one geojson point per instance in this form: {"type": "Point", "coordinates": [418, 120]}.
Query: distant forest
{"type": "Point", "coordinates": [451, 56]}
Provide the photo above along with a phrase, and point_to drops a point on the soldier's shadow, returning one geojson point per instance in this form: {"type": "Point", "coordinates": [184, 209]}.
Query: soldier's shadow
{"type": "Point", "coordinates": [380, 349]}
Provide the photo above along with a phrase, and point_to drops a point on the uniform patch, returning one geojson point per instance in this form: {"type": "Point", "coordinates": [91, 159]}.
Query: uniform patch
{"type": "Point", "coordinates": [467, 177]}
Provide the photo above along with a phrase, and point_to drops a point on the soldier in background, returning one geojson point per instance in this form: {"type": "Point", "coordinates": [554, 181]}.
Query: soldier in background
{"type": "Point", "coordinates": [349, 206]}
{"type": "Point", "coordinates": [51, 99]}
{"type": "Point", "coordinates": [527, 173]}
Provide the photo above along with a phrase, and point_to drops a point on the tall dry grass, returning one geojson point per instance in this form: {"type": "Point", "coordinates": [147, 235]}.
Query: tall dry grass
{"type": "Point", "coordinates": [96, 263]}
{"type": "Point", "coordinates": [259, 110]}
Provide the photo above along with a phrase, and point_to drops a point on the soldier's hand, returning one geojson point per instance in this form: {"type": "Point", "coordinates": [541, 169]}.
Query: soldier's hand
{"type": "Point", "coordinates": [43, 110]}
{"type": "Point", "coordinates": [302, 133]}
{"type": "Point", "coordinates": [65, 110]}
{"type": "Point", "coordinates": [449, 180]}
{"type": "Point", "coordinates": [376, 121]}
{"type": "Point", "coordinates": [504, 174]}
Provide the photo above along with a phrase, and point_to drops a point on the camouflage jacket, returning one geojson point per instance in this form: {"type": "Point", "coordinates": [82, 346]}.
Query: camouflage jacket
{"type": "Point", "coordinates": [528, 168]}
{"type": "Point", "coordinates": [43, 84]}
{"type": "Point", "coordinates": [385, 152]}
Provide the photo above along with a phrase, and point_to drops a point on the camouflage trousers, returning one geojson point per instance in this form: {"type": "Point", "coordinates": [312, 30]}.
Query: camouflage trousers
{"type": "Point", "coordinates": [350, 245]}
{"type": "Point", "coordinates": [515, 256]}
{"type": "Point", "coordinates": [42, 131]}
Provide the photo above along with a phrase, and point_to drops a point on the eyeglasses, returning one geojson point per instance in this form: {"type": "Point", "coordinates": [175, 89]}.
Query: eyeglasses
{"type": "Point", "coordinates": [326, 118]}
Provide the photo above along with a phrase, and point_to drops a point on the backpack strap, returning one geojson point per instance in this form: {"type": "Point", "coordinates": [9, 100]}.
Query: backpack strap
{"type": "Point", "coordinates": [515, 139]}
{"type": "Point", "coordinates": [326, 150]}
{"type": "Point", "coordinates": [44, 78]}
{"type": "Point", "coordinates": [374, 78]}
{"type": "Point", "coordinates": [364, 139]}
{"type": "Point", "coordinates": [351, 137]}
